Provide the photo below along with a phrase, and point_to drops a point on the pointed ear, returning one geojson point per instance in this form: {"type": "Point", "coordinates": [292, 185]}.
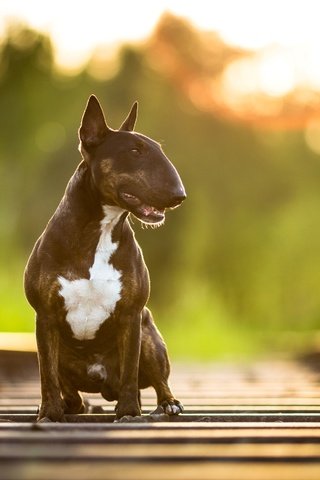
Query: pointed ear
{"type": "Point", "coordinates": [130, 121]}
{"type": "Point", "coordinates": [93, 128]}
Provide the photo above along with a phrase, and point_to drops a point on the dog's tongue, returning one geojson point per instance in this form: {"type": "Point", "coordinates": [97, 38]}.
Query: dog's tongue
{"type": "Point", "coordinates": [147, 210]}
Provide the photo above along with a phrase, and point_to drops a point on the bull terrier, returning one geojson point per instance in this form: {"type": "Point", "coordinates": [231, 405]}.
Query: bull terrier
{"type": "Point", "coordinates": [87, 280]}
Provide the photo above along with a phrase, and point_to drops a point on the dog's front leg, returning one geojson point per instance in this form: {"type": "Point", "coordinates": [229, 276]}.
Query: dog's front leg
{"type": "Point", "coordinates": [129, 344]}
{"type": "Point", "coordinates": [51, 408]}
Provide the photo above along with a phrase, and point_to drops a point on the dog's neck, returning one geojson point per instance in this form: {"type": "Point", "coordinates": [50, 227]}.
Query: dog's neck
{"type": "Point", "coordinates": [82, 192]}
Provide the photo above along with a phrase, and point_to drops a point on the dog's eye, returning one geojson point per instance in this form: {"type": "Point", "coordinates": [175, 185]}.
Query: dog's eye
{"type": "Point", "coordinates": [135, 151]}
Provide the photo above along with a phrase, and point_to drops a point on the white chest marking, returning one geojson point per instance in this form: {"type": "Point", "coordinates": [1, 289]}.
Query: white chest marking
{"type": "Point", "coordinates": [89, 302]}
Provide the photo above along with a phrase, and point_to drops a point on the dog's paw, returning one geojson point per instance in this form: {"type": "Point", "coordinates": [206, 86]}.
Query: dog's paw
{"type": "Point", "coordinates": [44, 420]}
{"type": "Point", "coordinates": [130, 419]}
{"type": "Point", "coordinates": [170, 407]}
{"type": "Point", "coordinates": [49, 420]}
{"type": "Point", "coordinates": [129, 409]}
{"type": "Point", "coordinates": [96, 409]}
{"type": "Point", "coordinates": [89, 408]}
{"type": "Point", "coordinates": [51, 414]}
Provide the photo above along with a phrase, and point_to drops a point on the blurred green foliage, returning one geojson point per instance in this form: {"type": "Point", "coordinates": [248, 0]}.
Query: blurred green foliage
{"type": "Point", "coordinates": [235, 270]}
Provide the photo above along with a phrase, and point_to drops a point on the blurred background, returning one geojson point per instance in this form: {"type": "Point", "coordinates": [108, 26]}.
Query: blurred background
{"type": "Point", "coordinates": [232, 91]}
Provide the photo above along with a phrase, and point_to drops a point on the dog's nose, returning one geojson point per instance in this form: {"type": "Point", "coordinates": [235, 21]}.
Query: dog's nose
{"type": "Point", "coordinates": [178, 198]}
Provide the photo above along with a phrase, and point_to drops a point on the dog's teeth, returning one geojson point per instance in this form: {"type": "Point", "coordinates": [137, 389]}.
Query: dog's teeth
{"type": "Point", "coordinates": [156, 211]}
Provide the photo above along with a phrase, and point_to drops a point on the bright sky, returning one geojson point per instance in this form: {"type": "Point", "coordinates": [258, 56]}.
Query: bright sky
{"type": "Point", "coordinates": [76, 27]}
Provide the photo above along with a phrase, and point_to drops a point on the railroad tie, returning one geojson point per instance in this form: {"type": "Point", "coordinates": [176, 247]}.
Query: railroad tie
{"type": "Point", "coordinates": [241, 421]}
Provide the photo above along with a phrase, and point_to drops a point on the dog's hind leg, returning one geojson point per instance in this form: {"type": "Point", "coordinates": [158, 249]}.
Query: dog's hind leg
{"type": "Point", "coordinates": [73, 401]}
{"type": "Point", "coordinates": [154, 366]}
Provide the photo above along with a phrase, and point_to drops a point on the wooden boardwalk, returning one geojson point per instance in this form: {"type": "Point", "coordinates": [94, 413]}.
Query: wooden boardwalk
{"type": "Point", "coordinates": [259, 421]}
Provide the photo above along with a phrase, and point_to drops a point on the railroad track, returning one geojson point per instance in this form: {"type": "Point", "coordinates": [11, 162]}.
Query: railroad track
{"type": "Point", "coordinates": [241, 421]}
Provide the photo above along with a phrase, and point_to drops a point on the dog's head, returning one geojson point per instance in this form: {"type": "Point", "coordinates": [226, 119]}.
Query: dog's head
{"type": "Point", "coordinates": [128, 169]}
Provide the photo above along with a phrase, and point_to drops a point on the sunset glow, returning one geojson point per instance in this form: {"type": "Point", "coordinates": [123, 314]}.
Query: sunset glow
{"type": "Point", "coordinates": [280, 40]}
{"type": "Point", "coordinates": [77, 28]}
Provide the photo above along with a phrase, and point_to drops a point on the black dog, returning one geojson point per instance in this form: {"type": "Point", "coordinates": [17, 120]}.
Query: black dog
{"type": "Point", "coordinates": [87, 280]}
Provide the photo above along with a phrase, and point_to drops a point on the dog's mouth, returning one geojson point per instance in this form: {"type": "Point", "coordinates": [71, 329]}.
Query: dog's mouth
{"type": "Point", "coordinates": [145, 213]}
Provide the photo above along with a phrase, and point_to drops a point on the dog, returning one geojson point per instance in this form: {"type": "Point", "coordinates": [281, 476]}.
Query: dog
{"type": "Point", "coordinates": [87, 280]}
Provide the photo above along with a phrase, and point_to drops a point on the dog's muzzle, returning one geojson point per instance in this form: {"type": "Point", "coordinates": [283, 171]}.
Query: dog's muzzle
{"type": "Point", "coordinates": [149, 213]}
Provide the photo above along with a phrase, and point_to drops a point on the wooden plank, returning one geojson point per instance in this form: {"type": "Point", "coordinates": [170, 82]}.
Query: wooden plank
{"type": "Point", "coordinates": [38, 470]}
{"type": "Point", "coordinates": [168, 435]}
{"type": "Point", "coordinates": [171, 426]}
{"type": "Point", "coordinates": [230, 402]}
{"type": "Point", "coordinates": [251, 422]}
{"type": "Point", "coordinates": [206, 417]}
{"type": "Point", "coordinates": [187, 452]}
{"type": "Point", "coordinates": [190, 409]}
{"type": "Point", "coordinates": [17, 341]}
